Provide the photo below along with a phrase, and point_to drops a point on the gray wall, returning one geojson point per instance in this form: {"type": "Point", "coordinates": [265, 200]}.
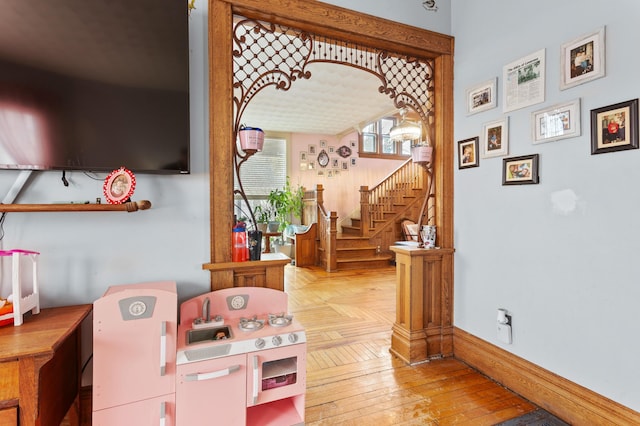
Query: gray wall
{"type": "Point", "coordinates": [83, 253]}
{"type": "Point", "coordinates": [567, 275]}
{"type": "Point", "coordinates": [561, 256]}
{"type": "Point", "coordinates": [410, 12]}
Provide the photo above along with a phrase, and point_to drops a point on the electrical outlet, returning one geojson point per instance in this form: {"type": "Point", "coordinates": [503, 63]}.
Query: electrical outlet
{"type": "Point", "coordinates": [504, 333]}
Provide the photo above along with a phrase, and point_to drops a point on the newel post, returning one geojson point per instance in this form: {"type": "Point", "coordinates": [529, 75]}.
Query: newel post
{"type": "Point", "coordinates": [365, 213]}
{"type": "Point", "coordinates": [332, 257]}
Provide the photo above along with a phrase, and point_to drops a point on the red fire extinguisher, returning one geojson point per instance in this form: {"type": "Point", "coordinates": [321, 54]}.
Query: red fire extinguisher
{"type": "Point", "coordinates": [239, 243]}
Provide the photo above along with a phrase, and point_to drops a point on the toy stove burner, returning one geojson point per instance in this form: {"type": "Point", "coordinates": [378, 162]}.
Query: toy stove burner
{"type": "Point", "coordinates": [280, 320]}
{"type": "Point", "coordinates": [250, 324]}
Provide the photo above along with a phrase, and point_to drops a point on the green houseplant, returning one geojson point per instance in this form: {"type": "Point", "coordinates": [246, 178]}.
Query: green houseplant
{"type": "Point", "coordinates": [286, 202]}
{"type": "Point", "coordinates": [263, 214]}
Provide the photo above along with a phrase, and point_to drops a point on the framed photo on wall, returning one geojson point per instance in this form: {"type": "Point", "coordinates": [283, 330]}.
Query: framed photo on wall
{"type": "Point", "coordinates": [119, 185]}
{"type": "Point", "coordinates": [495, 139]}
{"type": "Point", "coordinates": [559, 121]}
{"type": "Point", "coordinates": [520, 170]}
{"type": "Point", "coordinates": [482, 97]}
{"type": "Point", "coordinates": [468, 153]}
{"type": "Point", "coordinates": [614, 127]}
{"type": "Point", "coordinates": [523, 82]}
{"type": "Point", "coordinates": [582, 59]}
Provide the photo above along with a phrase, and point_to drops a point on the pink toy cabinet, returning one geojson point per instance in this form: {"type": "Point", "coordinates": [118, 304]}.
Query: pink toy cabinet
{"type": "Point", "coordinates": [134, 354]}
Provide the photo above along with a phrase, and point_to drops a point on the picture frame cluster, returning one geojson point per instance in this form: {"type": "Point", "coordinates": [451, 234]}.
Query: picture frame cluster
{"type": "Point", "coordinates": [582, 60]}
{"type": "Point", "coordinates": [328, 160]}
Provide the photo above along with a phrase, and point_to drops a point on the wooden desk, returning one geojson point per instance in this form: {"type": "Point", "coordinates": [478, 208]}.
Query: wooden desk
{"type": "Point", "coordinates": [40, 366]}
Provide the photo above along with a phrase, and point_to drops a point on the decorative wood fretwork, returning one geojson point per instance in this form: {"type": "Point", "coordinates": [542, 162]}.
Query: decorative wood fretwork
{"type": "Point", "coordinates": [267, 54]}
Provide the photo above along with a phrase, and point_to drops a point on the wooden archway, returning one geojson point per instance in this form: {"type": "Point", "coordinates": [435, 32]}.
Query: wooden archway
{"type": "Point", "coordinates": [340, 24]}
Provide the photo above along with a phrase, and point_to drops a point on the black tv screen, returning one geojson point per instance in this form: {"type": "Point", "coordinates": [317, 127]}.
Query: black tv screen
{"type": "Point", "coordinates": [94, 85]}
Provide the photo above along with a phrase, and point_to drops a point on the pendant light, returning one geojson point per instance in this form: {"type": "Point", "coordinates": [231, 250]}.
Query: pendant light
{"type": "Point", "coordinates": [406, 130]}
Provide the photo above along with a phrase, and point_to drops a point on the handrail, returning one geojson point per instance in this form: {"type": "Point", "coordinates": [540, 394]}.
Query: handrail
{"type": "Point", "coordinates": [399, 194]}
{"type": "Point", "coordinates": [406, 181]}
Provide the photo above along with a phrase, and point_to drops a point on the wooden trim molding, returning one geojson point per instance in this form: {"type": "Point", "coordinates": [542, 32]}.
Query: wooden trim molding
{"type": "Point", "coordinates": [341, 24]}
{"type": "Point", "coordinates": [571, 402]}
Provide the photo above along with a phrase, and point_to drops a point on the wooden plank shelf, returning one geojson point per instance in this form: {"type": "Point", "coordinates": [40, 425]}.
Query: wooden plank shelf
{"type": "Point", "coordinates": [131, 206]}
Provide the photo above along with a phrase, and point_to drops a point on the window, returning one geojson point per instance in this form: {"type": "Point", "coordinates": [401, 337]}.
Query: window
{"type": "Point", "coordinates": [263, 172]}
{"type": "Point", "coordinates": [376, 143]}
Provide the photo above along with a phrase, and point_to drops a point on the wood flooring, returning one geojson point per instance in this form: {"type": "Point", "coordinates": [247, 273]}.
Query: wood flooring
{"type": "Point", "coordinates": [352, 379]}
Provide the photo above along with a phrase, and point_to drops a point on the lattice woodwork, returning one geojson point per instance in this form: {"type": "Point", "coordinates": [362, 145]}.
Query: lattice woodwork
{"type": "Point", "coordinates": [267, 54]}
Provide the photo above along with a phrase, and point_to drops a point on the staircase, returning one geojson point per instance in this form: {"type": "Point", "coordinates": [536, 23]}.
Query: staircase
{"type": "Point", "coordinates": [364, 244]}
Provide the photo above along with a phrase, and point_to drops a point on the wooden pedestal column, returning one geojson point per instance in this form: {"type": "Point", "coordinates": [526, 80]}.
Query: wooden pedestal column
{"type": "Point", "coordinates": [424, 304]}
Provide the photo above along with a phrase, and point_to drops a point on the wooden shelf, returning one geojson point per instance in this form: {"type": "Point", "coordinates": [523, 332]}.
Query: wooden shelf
{"type": "Point", "coordinates": [131, 206]}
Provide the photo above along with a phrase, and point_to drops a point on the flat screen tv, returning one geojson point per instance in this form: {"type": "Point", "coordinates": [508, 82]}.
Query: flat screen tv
{"type": "Point", "coordinates": [94, 85]}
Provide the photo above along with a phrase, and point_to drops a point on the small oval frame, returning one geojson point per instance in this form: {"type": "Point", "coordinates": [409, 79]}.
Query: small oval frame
{"type": "Point", "coordinates": [119, 186]}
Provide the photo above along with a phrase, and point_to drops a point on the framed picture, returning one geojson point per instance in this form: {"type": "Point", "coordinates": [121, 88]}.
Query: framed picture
{"type": "Point", "coordinates": [520, 170]}
{"type": "Point", "coordinates": [335, 163]}
{"type": "Point", "coordinates": [482, 97]}
{"type": "Point", "coordinates": [312, 150]}
{"type": "Point", "coordinates": [119, 185]}
{"type": "Point", "coordinates": [559, 121]}
{"type": "Point", "coordinates": [614, 127]}
{"type": "Point", "coordinates": [582, 59]}
{"type": "Point", "coordinates": [323, 143]}
{"type": "Point", "coordinates": [523, 82]}
{"type": "Point", "coordinates": [303, 155]}
{"type": "Point", "coordinates": [353, 162]}
{"type": "Point", "coordinates": [495, 140]}
{"type": "Point", "coordinates": [468, 153]}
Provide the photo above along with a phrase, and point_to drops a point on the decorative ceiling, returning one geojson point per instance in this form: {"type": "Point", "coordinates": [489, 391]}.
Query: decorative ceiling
{"type": "Point", "coordinates": [336, 99]}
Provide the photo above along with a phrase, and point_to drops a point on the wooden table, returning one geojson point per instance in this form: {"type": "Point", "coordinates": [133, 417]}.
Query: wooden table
{"type": "Point", "coordinates": [267, 240]}
{"type": "Point", "coordinates": [40, 367]}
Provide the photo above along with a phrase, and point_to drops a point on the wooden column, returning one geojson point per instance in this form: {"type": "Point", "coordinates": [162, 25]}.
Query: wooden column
{"type": "Point", "coordinates": [424, 304]}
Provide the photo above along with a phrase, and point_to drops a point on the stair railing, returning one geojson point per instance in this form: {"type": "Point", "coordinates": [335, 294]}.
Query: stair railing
{"type": "Point", "coordinates": [380, 199]}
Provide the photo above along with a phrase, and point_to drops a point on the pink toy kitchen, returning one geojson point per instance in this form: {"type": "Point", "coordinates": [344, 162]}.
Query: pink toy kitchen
{"type": "Point", "coordinates": [236, 357]}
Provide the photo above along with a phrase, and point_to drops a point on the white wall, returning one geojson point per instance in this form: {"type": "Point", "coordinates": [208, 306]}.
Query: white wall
{"type": "Point", "coordinates": [83, 253]}
{"type": "Point", "coordinates": [561, 256]}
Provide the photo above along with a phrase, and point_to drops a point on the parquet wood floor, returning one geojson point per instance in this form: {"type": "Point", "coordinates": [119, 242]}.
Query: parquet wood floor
{"type": "Point", "coordinates": [352, 378]}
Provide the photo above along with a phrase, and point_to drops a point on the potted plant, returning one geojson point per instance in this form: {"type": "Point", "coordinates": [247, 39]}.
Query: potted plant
{"type": "Point", "coordinates": [263, 215]}
{"type": "Point", "coordinates": [286, 202]}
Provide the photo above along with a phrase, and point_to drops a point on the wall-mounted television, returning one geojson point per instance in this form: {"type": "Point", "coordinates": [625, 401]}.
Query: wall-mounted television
{"type": "Point", "coordinates": [94, 85]}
